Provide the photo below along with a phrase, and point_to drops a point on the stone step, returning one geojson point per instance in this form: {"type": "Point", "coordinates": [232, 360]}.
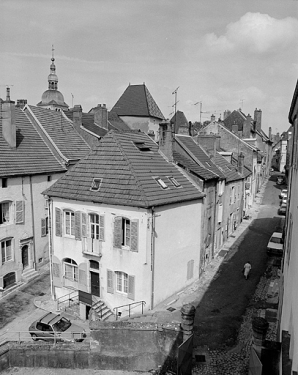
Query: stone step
{"type": "Point", "coordinates": [29, 274]}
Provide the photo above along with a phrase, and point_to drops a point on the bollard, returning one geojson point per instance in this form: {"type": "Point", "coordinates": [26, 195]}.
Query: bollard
{"type": "Point", "coordinates": [187, 314]}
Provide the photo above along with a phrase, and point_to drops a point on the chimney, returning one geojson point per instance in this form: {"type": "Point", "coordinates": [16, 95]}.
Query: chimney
{"type": "Point", "coordinates": [270, 133]}
{"type": "Point", "coordinates": [190, 128]}
{"type": "Point", "coordinates": [77, 117]}
{"type": "Point", "coordinates": [235, 129]}
{"type": "Point", "coordinates": [101, 116]}
{"type": "Point", "coordinates": [212, 118]}
{"type": "Point", "coordinates": [21, 103]}
{"type": "Point", "coordinates": [209, 142]}
{"type": "Point", "coordinates": [166, 139]}
{"type": "Point", "coordinates": [247, 127]}
{"type": "Point", "coordinates": [226, 114]}
{"type": "Point", "coordinates": [258, 118]}
{"type": "Point", "coordinates": [8, 121]}
{"type": "Point", "coordinates": [241, 162]}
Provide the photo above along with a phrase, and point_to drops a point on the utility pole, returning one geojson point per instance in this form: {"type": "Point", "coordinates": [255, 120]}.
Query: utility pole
{"type": "Point", "coordinates": [72, 99]}
{"type": "Point", "coordinates": [175, 105]}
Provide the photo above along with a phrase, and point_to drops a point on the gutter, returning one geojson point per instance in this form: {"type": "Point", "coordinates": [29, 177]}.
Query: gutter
{"type": "Point", "coordinates": [152, 255]}
{"type": "Point", "coordinates": [33, 225]}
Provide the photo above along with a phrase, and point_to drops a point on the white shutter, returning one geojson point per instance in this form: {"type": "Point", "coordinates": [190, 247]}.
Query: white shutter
{"type": "Point", "coordinates": [101, 227]}
{"type": "Point", "coordinates": [110, 281]}
{"type": "Point", "coordinates": [134, 235]}
{"type": "Point", "coordinates": [131, 287]}
{"type": "Point", "coordinates": [43, 228]}
{"type": "Point", "coordinates": [20, 212]}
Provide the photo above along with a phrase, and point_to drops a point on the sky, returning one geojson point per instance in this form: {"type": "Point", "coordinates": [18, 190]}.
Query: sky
{"type": "Point", "coordinates": [219, 55]}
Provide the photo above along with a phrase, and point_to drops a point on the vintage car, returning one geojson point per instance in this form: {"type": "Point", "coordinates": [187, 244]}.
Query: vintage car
{"type": "Point", "coordinates": [283, 193]}
{"type": "Point", "coordinates": [275, 244]}
{"type": "Point", "coordinates": [282, 210]}
{"type": "Point", "coordinates": [280, 180]}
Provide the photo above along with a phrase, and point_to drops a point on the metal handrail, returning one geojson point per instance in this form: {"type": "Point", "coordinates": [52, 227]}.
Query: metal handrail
{"type": "Point", "coordinates": [68, 298]}
{"type": "Point", "coordinates": [143, 303]}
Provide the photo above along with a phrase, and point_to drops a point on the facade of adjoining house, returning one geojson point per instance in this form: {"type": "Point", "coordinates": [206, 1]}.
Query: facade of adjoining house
{"type": "Point", "coordinates": [137, 109]}
{"type": "Point", "coordinates": [288, 309]}
{"type": "Point", "coordinates": [126, 225]}
{"type": "Point", "coordinates": [36, 146]}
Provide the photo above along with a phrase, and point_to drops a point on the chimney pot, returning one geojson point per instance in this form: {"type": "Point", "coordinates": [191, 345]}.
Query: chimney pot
{"type": "Point", "coordinates": [8, 121]}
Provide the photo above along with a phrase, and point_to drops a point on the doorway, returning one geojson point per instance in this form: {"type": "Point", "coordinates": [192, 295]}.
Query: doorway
{"type": "Point", "coordinates": [95, 284]}
{"type": "Point", "coordinates": [25, 256]}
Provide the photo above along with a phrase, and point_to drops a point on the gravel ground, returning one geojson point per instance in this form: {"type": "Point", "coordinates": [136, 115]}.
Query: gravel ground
{"type": "Point", "coordinates": [48, 371]}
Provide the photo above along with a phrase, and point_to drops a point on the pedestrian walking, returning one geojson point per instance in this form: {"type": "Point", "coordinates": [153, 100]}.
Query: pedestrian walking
{"type": "Point", "coordinates": [246, 269]}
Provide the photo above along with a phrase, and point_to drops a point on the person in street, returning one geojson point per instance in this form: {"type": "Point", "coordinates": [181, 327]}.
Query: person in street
{"type": "Point", "coordinates": [246, 269]}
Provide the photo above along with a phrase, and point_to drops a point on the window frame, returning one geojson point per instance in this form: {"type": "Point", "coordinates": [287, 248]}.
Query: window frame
{"type": "Point", "coordinates": [72, 268]}
{"type": "Point", "coordinates": [121, 284]}
{"type": "Point", "coordinates": [71, 225]}
{"type": "Point", "coordinates": [2, 214]}
{"type": "Point", "coordinates": [96, 229]}
{"type": "Point", "coordinates": [4, 182]}
{"type": "Point", "coordinates": [4, 259]}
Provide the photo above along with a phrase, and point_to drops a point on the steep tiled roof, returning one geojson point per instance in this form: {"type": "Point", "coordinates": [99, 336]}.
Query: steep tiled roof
{"type": "Point", "coordinates": [236, 117]}
{"type": "Point", "coordinates": [115, 122]}
{"type": "Point", "coordinates": [137, 101]}
{"type": "Point", "coordinates": [246, 171]}
{"type": "Point", "coordinates": [61, 131]}
{"type": "Point", "coordinates": [127, 174]}
{"type": "Point", "coordinates": [227, 168]}
{"type": "Point", "coordinates": [193, 167]}
{"type": "Point", "coordinates": [31, 155]}
{"type": "Point", "coordinates": [198, 154]}
{"type": "Point", "coordinates": [179, 120]}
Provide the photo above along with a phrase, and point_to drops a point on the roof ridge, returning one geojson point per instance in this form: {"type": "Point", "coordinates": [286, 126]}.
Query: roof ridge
{"type": "Point", "coordinates": [238, 138]}
{"type": "Point", "coordinates": [113, 132]}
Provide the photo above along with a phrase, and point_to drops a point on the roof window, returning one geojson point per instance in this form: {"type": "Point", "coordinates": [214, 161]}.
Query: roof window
{"type": "Point", "coordinates": [174, 181]}
{"type": "Point", "coordinates": [96, 184]}
{"type": "Point", "coordinates": [161, 183]}
{"type": "Point", "coordinates": [209, 165]}
{"type": "Point", "coordinates": [142, 146]}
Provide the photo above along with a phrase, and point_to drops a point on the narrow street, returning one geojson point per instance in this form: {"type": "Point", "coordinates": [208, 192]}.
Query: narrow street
{"type": "Point", "coordinates": [221, 311]}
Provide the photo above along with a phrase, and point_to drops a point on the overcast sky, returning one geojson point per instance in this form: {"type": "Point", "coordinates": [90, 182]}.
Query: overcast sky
{"type": "Point", "coordinates": [225, 53]}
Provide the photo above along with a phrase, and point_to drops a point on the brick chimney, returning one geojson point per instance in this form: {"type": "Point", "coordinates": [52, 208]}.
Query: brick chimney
{"type": "Point", "coordinates": [8, 121]}
{"type": "Point", "coordinates": [212, 118]}
{"type": "Point", "coordinates": [77, 117]}
{"type": "Point", "coordinates": [258, 118]}
{"type": "Point", "coordinates": [166, 139]}
{"type": "Point", "coordinates": [209, 142]}
{"type": "Point", "coordinates": [21, 103]}
{"type": "Point", "coordinates": [247, 127]}
{"type": "Point", "coordinates": [241, 162]}
{"type": "Point", "coordinates": [101, 116]}
{"type": "Point", "coordinates": [270, 133]}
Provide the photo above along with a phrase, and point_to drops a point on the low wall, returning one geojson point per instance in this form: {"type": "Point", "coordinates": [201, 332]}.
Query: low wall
{"type": "Point", "coordinates": [4, 357]}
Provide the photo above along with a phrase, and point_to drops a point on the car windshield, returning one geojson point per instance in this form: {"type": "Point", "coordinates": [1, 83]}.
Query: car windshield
{"type": "Point", "coordinates": [62, 325]}
{"type": "Point", "coordinates": [276, 240]}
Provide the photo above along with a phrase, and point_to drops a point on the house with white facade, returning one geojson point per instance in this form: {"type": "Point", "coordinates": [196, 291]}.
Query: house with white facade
{"type": "Point", "coordinates": [125, 225]}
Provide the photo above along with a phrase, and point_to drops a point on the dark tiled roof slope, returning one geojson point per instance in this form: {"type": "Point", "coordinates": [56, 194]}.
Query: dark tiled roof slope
{"type": "Point", "coordinates": [62, 132]}
{"type": "Point", "coordinates": [31, 156]}
{"type": "Point", "coordinates": [236, 117]}
{"type": "Point", "coordinates": [116, 123]}
{"type": "Point", "coordinates": [227, 168]}
{"type": "Point", "coordinates": [127, 175]}
{"type": "Point", "coordinates": [179, 120]}
{"type": "Point", "coordinates": [198, 152]}
{"type": "Point", "coordinates": [193, 167]}
{"type": "Point", "coordinates": [137, 101]}
{"type": "Point", "coordinates": [246, 171]}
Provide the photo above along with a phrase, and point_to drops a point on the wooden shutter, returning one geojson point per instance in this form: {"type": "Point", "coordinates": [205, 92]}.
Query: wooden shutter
{"type": "Point", "coordinates": [78, 228]}
{"type": "Point", "coordinates": [131, 287]}
{"type": "Point", "coordinates": [110, 281]}
{"type": "Point", "coordinates": [134, 235]}
{"type": "Point", "coordinates": [20, 212]}
{"type": "Point", "coordinates": [118, 232]}
{"type": "Point", "coordinates": [43, 227]}
{"type": "Point", "coordinates": [58, 217]}
{"type": "Point", "coordinates": [84, 225]}
{"type": "Point", "coordinates": [101, 227]}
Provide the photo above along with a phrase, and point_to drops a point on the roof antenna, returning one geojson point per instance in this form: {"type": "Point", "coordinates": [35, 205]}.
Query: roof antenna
{"type": "Point", "coordinates": [175, 106]}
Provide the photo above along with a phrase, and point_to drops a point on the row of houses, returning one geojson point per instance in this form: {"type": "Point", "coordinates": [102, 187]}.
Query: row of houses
{"type": "Point", "coordinates": [122, 207]}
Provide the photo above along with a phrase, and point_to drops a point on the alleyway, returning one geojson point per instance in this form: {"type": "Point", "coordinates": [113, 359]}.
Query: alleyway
{"type": "Point", "coordinates": [223, 315]}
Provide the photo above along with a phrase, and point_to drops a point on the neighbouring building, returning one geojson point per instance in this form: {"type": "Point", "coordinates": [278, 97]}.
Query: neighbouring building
{"type": "Point", "coordinates": [126, 226]}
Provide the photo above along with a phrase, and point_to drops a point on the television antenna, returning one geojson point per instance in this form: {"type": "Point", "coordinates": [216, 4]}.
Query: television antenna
{"type": "Point", "coordinates": [175, 105]}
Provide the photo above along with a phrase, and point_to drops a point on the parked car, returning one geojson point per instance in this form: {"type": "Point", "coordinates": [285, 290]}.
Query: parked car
{"type": "Point", "coordinates": [275, 244]}
{"type": "Point", "coordinates": [280, 180]}
{"type": "Point", "coordinates": [56, 327]}
{"type": "Point", "coordinates": [282, 210]}
{"type": "Point", "coordinates": [283, 193]}
{"type": "Point", "coordinates": [283, 201]}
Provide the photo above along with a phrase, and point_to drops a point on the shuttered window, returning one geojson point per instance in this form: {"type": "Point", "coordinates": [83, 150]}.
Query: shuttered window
{"type": "Point", "coordinates": [110, 281]}
{"type": "Point", "coordinates": [126, 233]}
{"type": "Point", "coordinates": [121, 282]}
{"type": "Point", "coordinates": [43, 228]}
{"type": "Point", "coordinates": [6, 250]}
{"type": "Point", "coordinates": [58, 222]}
{"type": "Point", "coordinates": [20, 212]}
{"type": "Point", "coordinates": [219, 214]}
{"type": "Point", "coordinates": [70, 269]}
{"type": "Point", "coordinates": [84, 225]}
{"type": "Point", "coordinates": [134, 235]}
{"type": "Point", "coordinates": [96, 226]}
{"type": "Point", "coordinates": [69, 221]}
{"type": "Point", "coordinates": [78, 226]}
{"type": "Point", "coordinates": [5, 212]}
{"type": "Point", "coordinates": [131, 287]}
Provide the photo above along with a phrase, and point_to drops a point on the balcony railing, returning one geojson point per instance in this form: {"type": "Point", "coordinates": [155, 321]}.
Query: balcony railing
{"type": "Point", "coordinates": [92, 246]}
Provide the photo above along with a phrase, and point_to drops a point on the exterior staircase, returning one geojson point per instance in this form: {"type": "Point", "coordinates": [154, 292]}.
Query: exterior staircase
{"type": "Point", "coordinates": [29, 274]}
{"type": "Point", "coordinates": [101, 310]}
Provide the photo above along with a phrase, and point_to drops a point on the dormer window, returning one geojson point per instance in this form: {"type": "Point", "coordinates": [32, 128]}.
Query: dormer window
{"type": "Point", "coordinates": [142, 146]}
{"type": "Point", "coordinates": [174, 182]}
{"type": "Point", "coordinates": [161, 183]}
{"type": "Point", "coordinates": [96, 184]}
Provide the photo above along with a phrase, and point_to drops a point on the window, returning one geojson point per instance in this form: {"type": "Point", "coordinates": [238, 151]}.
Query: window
{"type": "Point", "coordinates": [96, 184]}
{"type": "Point", "coordinates": [69, 223]}
{"type": "Point", "coordinates": [70, 269]}
{"type": "Point", "coordinates": [44, 227]}
{"type": "Point", "coordinates": [4, 183]}
{"type": "Point", "coordinates": [49, 178]}
{"type": "Point", "coordinates": [20, 212]}
{"type": "Point", "coordinates": [4, 212]}
{"type": "Point", "coordinates": [93, 264]}
{"type": "Point", "coordinates": [142, 146]}
{"type": "Point", "coordinates": [174, 181]}
{"type": "Point", "coordinates": [9, 279]}
{"type": "Point", "coordinates": [161, 183]}
{"type": "Point", "coordinates": [121, 282]}
{"type": "Point", "coordinates": [96, 226]}
{"type": "Point", "coordinates": [6, 251]}
{"type": "Point", "coordinates": [232, 196]}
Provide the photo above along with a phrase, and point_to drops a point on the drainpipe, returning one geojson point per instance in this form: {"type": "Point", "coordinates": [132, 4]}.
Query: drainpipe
{"type": "Point", "coordinates": [152, 254]}
{"type": "Point", "coordinates": [33, 226]}
{"type": "Point", "coordinates": [215, 222]}
{"type": "Point", "coordinates": [50, 249]}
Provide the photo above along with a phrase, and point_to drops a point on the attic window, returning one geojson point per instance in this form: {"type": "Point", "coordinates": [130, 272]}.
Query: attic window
{"type": "Point", "coordinates": [208, 164]}
{"type": "Point", "coordinates": [96, 184]}
{"type": "Point", "coordinates": [142, 147]}
{"type": "Point", "coordinates": [161, 183]}
{"type": "Point", "coordinates": [174, 182]}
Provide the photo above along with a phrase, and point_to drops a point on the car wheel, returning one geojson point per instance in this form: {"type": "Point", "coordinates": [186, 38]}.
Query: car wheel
{"type": "Point", "coordinates": [34, 337]}
{"type": "Point", "coordinates": [79, 340]}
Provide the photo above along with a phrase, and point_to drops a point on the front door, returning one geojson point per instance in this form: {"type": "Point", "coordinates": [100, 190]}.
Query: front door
{"type": "Point", "coordinates": [95, 284]}
{"type": "Point", "coordinates": [25, 256]}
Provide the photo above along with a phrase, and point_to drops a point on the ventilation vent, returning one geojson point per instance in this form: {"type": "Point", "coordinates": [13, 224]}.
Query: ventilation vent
{"type": "Point", "coordinates": [96, 184]}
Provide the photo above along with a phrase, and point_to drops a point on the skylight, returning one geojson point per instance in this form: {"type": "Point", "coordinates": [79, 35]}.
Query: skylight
{"type": "Point", "coordinates": [142, 146]}
{"type": "Point", "coordinates": [96, 184]}
{"type": "Point", "coordinates": [161, 182]}
{"type": "Point", "coordinates": [174, 181]}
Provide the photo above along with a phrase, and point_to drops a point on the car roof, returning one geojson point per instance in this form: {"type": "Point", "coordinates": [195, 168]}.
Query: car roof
{"type": "Point", "coordinates": [277, 234]}
{"type": "Point", "coordinates": [49, 317]}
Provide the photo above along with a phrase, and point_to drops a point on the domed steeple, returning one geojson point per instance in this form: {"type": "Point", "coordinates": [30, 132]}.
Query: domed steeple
{"type": "Point", "coordinates": [52, 98]}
